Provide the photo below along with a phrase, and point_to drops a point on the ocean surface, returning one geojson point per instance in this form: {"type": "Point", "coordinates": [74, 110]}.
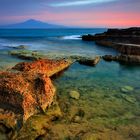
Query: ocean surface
{"type": "Point", "coordinates": [109, 92]}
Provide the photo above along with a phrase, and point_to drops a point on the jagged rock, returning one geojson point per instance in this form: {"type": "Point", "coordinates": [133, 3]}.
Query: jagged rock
{"type": "Point", "coordinates": [37, 125]}
{"type": "Point", "coordinates": [27, 90]}
{"type": "Point", "coordinates": [89, 61]}
{"type": "Point", "coordinates": [127, 36]}
{"type": "Point", "coordinates": [43, 66]}
{"type": "Point", "coordinates": [74, 94]}
{"type": "Point", "coordinates": [125, 41]}
{"type": "Point", "coordinates": [25, 94]}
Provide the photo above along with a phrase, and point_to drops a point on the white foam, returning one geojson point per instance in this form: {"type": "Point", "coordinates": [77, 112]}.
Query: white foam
{"type": "Point", "coordinates": [71, 37]}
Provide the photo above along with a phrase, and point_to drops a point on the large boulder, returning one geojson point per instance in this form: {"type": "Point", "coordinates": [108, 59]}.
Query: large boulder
{"type": "Point", "coordinates": [25, 94]}
{"type": "Point", "coordinates": [43, 66]}
{"type": "Point", "coordinates": [27, 90]}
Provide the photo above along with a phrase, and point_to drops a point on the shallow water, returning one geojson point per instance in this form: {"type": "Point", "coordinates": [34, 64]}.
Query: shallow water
{"type": "Point", "coordinates": [105, 109]}
{"type": "Point", "coordinates": [105, 105]}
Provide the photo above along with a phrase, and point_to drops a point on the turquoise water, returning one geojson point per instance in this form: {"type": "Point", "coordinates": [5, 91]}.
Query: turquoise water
{"type": "Point", "coordinates": [58, 42]}
{"type": "Point", "coordinates": [109, 112]}
{"type": "Point", "coordinates": [109, 93]}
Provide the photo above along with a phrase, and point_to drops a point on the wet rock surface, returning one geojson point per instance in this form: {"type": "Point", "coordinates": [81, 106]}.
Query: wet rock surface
{"type": "Point", "coordinates": [125, 41]}
{"type": "Point", "coordinates": [124, 59]}
{"type": "Point", "coordinates": [26, 54]}
{"type": "Point", "coordinates": [25, 94]}
{"type": "Point", "coordinates": [27, 90]}
{"type": "Point", "coordinates": [90, 61]}
{"type": "Point", "coordinates": [43, 66]}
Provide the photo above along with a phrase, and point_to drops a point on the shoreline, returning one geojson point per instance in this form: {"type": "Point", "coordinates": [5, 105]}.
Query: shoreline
{"type": "Point", "coordinates": [73, 106]}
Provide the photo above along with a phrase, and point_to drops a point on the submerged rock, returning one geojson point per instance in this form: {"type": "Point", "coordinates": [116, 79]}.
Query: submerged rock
{"type": "Point", "coordinates": [74, 94]}
{"type": "Point", "coordinates": [89, 61]}
{"type": "Point", "coordinates": [26, 54]}
{"type": "Point", "coordinates": [127, 89]}
{"type": "Point", "coordinates": [21, 47]}
{"type": "Point", "coordinates": [76, 119]}
{"type": "Point", "coordinates": [129, 98]}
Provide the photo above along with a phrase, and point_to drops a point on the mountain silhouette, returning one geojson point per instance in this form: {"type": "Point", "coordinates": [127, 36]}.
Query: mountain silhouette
{"type": "Point", "coordinates": [31, 24]}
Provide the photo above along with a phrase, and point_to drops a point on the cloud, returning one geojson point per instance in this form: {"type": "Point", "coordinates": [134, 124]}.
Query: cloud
{"type": "Point", "coordinates": [79, 2]}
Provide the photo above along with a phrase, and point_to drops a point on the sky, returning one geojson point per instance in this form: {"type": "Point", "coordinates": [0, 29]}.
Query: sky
{"type": "Point", "coordinates": [81, 13]}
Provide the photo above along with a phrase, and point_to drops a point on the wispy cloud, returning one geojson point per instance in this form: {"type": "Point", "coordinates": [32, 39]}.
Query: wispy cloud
{"type": "Point", "coordinates": [79, 2]}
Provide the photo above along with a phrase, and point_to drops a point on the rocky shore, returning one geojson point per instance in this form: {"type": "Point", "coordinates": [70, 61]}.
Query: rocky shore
{"type": "Point", "coordinates": [26, 90]}
{"type": "Point", "coordinates": [125, 41]}
{"type": "Point", "coordinates": [28, 102]}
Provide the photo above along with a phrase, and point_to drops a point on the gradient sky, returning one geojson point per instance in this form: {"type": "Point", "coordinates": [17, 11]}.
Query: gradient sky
{"type": "Point", "coordinates": [83, 13]}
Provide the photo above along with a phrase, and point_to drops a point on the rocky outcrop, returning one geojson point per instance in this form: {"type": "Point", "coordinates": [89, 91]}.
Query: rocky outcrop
{"type": "Point", "coordinates": [43, 66]}
{"type": "Point", "coordinates": [129, 59]}
{"type": "Point", "coordinates": [27, 90]}
{"type": "Point", "coordinates": [25, 94]}
{"type": "Point", "coordinates": [127, 49]}
{"type": "Point", "coordinates": [129, 36]}
{"type": "Point", "coordinates": [26, 54]}
{"type": "Point", "coordinates": [125, 41]}
{"type": "Point", "coordinates": [89, 61]}
{"type": "Point", "coordinates": [93, 37]}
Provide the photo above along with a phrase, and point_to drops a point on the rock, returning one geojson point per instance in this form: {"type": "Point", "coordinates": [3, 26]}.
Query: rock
{"type": "Point", "coordinates": [127, 89]}
{"type": "Point", "coordinates": [39, 125]}
{"type": "Point", "coordinates": [89, 136]}
{"type": "Point", "coordinates": [93, 37]}
{"type": "Point", "coordinates": [108, 57]}
{"type": "Point", "coordinates": [22, 47]}
{"type": "Point", "coordinates": [74, 94]}
{"type": "Point", "coordinates": [127, 49]}
{"type": "Point", "coordinates": [26, 54]}
{"type": "Point", "coordinates": [43, 66]}
{"type": "Point", "coordinates": [129, 36]}
{"type": "Point", "coordinates": [127, 59]}
{"type": "Point", "coordinates": [125, 41]}
{"type": "Point", "coordinates": [89, 61]}
{"type": "Point", "coordinates": [76, 119]}
{"type": "Point", "coordinates": [27, 90]}
{"type": "Point", "coordinates": [129, 98]}
{"type": "Point", "coordinates": [25, 94]}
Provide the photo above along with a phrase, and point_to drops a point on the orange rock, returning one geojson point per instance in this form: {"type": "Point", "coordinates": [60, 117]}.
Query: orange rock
{"type": "Point", "coordinates": [25, 94]}
{"type": "Point", "coordinates": [27, 90]}
{"type": "Point", "coordinates": [43, 66]}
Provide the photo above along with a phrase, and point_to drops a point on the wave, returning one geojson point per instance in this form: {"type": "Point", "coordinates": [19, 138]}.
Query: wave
{"type": "Point", "coordinates": [72, 37]}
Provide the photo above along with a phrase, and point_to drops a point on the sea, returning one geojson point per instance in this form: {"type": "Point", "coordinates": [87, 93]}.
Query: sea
{"type": "Point", "coordinates": [109, 92]}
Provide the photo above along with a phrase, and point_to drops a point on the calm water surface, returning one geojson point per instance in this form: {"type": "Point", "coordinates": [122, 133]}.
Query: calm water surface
{"type": "Point", "coordinates": [107, 110]}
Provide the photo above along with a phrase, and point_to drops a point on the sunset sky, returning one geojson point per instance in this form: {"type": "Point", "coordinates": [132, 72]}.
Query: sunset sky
{"type": "Point", "coordinates": [82, 13]}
